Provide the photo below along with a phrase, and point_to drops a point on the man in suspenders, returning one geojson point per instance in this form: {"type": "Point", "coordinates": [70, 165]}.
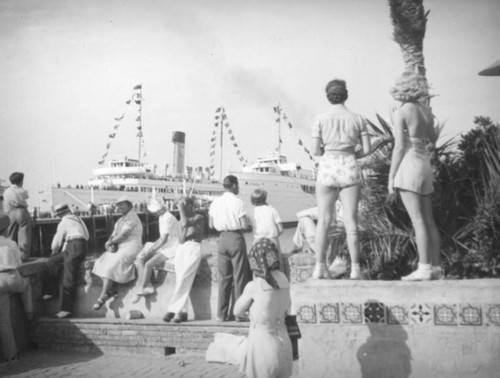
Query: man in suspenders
{"type": "Point", "coordinates": [69, 248]}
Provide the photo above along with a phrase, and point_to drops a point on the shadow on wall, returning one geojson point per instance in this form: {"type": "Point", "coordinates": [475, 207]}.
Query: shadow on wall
{"type": "Point", "coordinates": [385, 353]}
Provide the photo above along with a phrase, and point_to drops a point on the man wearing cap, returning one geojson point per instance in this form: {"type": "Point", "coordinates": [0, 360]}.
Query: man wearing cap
{"type": "Point", "coordinates": [16, 207]}
{"type": "Point", "coordinates": [10, 282]}
{"type": "Point", "coordinates": [69, 248]}
{"type": "Point", "coordinates": [116, 265]}
{"type": "Point", "coordinates": [163, 249]}
{"type": "Point", "coordinates": [228, 217]}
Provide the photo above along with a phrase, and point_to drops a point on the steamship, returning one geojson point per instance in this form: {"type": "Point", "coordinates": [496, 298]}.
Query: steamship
{"type": "Point", "coordinates": [290, 188]}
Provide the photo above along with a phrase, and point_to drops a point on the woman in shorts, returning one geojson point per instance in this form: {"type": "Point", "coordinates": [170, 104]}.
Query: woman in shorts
{"type": "Point", "coordinates": [336, 135]}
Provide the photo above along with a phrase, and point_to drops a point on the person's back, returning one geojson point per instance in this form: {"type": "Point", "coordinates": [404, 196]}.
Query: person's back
{"type": "Point", "coordinates": [267, 222]}
{"type": "Point", "coordinates": [270, 305]}
{"type": "Point", "coordinates": [419, 121]}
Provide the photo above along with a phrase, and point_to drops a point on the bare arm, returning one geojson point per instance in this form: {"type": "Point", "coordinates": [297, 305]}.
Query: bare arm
{"type": "Point", "coordinates": [398, 150]}
{"type": "Point", "coordinates": [244, 222]}
{"type": "Point", "coordinates": [317, 147]}
{"type": "Point", "coordinates": [280, 228]}
{"type": "Point", "coordinates": [364, 139]}
{"type": "Point", "coordinates": [162, 240]}
{"type": "Point", "coordinates": [244, 302]}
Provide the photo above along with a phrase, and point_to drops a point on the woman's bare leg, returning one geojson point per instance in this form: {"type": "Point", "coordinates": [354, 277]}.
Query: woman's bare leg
{"type": "Point", "coordinates": [415, 205]}
{"type": "Point", "coordinates": [326, 198]}
{"type": "Point", "coordinates": [349, 198]}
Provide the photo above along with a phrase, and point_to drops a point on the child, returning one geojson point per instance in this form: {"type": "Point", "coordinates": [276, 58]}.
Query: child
{"type": "Point", "coordinates": [267, 220]}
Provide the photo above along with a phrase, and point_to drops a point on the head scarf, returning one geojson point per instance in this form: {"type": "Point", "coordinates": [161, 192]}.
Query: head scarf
{"type": "Point", "coordinates": [264, 258]}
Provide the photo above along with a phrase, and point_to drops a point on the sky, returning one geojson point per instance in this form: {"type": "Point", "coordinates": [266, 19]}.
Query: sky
{"type": "Point", "coordinates": [69, 66]}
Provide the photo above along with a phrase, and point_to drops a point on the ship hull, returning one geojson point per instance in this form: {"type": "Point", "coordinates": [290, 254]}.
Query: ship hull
{"type": "Point", "coordinates": [288, 195]}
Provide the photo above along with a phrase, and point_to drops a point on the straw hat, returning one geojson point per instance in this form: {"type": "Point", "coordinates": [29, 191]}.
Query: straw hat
{"type": "Point", "coordinates": [4, 222]}
{"type": "Point", "coordinates": [61, 209]}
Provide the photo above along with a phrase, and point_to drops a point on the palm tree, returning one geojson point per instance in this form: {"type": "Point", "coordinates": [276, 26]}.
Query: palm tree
{"type": "Point", "coordinates": [409, 20]}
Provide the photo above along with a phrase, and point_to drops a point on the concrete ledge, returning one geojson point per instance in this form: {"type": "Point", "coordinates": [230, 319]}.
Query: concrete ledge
{"type": "Point", "coordinates": [448, 328]}
{"type": "Point", "coordinates": [134, 336]}
{"type": "Point", "coordinates": [203, 301]}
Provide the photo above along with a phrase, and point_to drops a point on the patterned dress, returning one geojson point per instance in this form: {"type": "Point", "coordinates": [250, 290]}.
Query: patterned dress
{"type": "Point", "coordinates": [119, 266]}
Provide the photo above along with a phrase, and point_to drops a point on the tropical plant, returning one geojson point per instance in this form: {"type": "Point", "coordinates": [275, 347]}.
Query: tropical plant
{"type": "Point", "coordinates": [466, 205]}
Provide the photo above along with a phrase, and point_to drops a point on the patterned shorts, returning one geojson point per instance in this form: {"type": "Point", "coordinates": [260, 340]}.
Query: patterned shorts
{"type": "Point", "coordinates": [338, 170]}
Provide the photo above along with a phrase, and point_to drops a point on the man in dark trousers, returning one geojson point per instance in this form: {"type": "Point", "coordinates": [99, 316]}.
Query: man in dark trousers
{"type": "Point", "coordinates": [228, 217]}
{"type": "Point", "coordinates": [69, 248]}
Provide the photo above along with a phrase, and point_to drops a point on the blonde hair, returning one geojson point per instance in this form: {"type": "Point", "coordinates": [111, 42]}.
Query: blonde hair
{"type": "Point", "coordinates": [410, 86]}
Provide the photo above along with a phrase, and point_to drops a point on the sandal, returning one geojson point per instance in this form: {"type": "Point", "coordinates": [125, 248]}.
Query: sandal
{"type": "Point", "coordinates": [97, 306]}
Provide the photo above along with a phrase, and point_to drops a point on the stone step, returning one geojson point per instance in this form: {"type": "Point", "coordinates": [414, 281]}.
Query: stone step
{"type": "Point", "coordinates": [131, 336]}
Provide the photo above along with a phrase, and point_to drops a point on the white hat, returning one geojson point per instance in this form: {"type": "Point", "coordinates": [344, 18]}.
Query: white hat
{"type": "Point", "coordinates": [155, 205]}
{"type": "Point", "coordinates": [61, 209]}
{"type": "Point", "coordinates": [125, 198]}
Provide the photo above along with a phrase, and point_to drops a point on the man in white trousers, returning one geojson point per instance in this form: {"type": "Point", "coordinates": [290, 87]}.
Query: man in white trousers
{"type": "Point", "coordinates": [187, 259]}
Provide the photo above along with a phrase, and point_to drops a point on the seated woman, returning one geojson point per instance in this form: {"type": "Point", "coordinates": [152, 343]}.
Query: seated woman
{"type": "Point", "coordinates": [116, 265]}
{"type": "Point", "coordinates": [156, 253]}
{"type": "Point", "coordinates": [267, 351]}
{"type": "Point", "coordinates": [10, 282]}
{"type": "Point", "coordinates": [187, 259]}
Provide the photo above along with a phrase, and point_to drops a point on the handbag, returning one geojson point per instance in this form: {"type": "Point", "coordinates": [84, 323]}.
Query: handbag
{"type": "Point", "coordinates": [294, 332]}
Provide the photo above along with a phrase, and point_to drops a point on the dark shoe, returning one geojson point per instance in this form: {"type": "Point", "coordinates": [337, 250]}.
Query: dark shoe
{"type": "Point", "coordinates": [182, 317]}
{"type": "Point", "coordinates": [98, 304]}
{"type": "Point", "coordinates": [168, 317]}
{"type": "Point", "coordinates": [242, 320]}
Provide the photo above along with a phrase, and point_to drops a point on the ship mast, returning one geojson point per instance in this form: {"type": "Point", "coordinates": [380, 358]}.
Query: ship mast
{"type": "Point", "coordinates": [221, 139]}
{"type": "Point", "coordinates": [279, 132]}
{"type": "Point", "coordinates": [138, 100]}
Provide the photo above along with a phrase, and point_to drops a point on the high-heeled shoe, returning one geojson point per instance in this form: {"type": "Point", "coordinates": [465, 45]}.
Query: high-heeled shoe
{"type": "Point", "coordinates": [320, 272]}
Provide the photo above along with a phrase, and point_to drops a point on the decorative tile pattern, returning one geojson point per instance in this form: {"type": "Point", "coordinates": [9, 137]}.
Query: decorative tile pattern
{"type": "Point", "coordinates": [492, 314]}
{"type": "Point", "coordinates": [470, 314]}
{"type": "Point", "coordinates": [303, 274]}
{"type": "Point", "coordinates": [421, 314]}
{"type": "Point", "coordinates": [374, 312]}
{"type": "Point", "coordinates": [351, 313]}
{"type": "Point", "coordinates": [445, 314]}
{"type": "Point", "coordinates": [306, 313]}
{"type": "Point", "coordinates": [329, 313]}
{"type": "Point", "coordinates": [397, 314]}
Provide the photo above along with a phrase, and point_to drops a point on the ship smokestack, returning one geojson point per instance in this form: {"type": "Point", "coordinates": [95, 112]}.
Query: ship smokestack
{"type": "Point", "coordinates": [179, 139]}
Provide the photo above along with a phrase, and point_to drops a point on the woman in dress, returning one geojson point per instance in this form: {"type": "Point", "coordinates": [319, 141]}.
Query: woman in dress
{"type": "Point", "coordinates": [267, 300]}
{"type": "Point", "coordinates": [336, 135]}
{"type": "Point", "coordinates": [411, 172]}
{"type": "Point", "coordinates": [267, 351]}
{"type": "Point", "coordinates": [116, 265]}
